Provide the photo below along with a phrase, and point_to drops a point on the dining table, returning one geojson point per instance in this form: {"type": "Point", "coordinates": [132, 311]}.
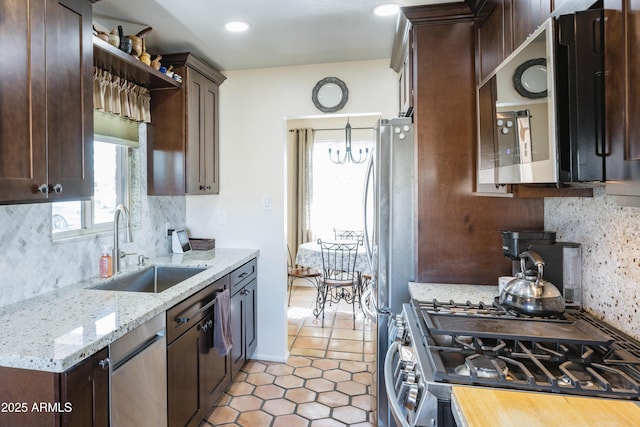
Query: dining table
{"type": "Point", "coordinates": [310, 255]}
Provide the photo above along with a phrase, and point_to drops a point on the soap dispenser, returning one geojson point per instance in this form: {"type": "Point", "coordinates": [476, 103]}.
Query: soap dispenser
{"type": "Point", "coordinates": [106, 265]}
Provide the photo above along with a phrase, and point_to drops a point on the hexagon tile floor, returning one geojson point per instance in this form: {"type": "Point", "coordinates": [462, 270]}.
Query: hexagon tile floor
{"type": "Point", "coordinates": [306, 391]}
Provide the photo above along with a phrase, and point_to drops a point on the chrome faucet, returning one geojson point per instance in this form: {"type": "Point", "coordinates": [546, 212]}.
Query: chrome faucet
{"type": "Point", "coordinates": [121, 209]}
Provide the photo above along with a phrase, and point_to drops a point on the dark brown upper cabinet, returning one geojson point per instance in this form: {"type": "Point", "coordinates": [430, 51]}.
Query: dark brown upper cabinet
{"type": "Point", "coordinates": [46, 120]}
{"type": "Point", "coordinates": [502, 26]}
{"type": "Point", "coordinates": [622, 98]}
{"type": "Point", "coordinates": [183, 134]}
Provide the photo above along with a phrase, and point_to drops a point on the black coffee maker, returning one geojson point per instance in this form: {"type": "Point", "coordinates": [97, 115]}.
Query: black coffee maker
{"type": "Point", "coordinates": [562, 260]}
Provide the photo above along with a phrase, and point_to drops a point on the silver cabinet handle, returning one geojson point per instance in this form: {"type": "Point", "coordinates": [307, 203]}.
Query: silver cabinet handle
{"type": "Point", "coordinates": [57, 188]}
{"type": "Point", "coordinates": [104, 364]}
{"type": "Point", "coordinates": [44, 189]}
{"type": "Point", "coordinates": [183, 319]}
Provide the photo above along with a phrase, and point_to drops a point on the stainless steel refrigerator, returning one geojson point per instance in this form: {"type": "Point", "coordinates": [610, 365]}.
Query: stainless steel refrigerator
{"type": "Point", "coordinates": [390, 238]}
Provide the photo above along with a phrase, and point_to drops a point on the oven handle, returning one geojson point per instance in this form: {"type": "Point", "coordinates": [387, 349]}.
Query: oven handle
{"type": "Point", "coordinates": [396, 410]}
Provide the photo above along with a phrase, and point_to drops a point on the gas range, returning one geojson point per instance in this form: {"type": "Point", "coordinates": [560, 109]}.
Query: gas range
{"type": "Point", "coordinates": [438, 344]}
{"type": "Point", "coordinates": [487, 345]}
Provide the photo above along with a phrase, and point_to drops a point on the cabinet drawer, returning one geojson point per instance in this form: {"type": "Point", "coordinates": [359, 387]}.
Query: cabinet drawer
{"type": "Point", "coordinates": [185, 314]}
{"type": "Point", "coordinates": [243, 275]}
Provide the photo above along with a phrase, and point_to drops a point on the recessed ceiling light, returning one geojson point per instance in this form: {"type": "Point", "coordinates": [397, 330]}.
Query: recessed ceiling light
{"type": "Point", "coordinates": [386, 9]}
{"type": "Point", "coordinates": [237, 26]}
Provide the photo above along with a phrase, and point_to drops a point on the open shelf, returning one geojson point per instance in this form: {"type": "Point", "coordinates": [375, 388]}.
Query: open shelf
{"type": "Point", "coordinates": [121, 64]}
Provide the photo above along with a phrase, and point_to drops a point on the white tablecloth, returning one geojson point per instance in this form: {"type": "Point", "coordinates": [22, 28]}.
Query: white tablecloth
{"type": "Point", "coordinates": [309, 255]}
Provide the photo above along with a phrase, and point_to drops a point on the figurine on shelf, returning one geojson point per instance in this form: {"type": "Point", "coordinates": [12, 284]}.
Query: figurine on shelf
{"type": "Point", "coordinates": [114, 38]}
{"type": "Point", "coordinates": [155, 64]}
{"type": "Point", "coordinates": [125, 43]}
{"type": "Point", "coordinates": [100, 34]}
{"type": "Point", "coordinates": [137, 48]}
{"type": "Point", "coordinates": [144, 57]}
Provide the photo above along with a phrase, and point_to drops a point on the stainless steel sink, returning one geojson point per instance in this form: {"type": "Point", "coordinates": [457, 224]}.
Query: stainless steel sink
{"type": "Point", "coordinates": [154, 279]}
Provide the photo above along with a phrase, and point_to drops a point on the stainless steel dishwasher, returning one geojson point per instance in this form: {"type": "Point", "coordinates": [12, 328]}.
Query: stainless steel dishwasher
{"type": "Point", "coordinates": [138, 365]}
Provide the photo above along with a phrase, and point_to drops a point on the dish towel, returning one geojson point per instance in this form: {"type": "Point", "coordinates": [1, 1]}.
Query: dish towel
{"type": "Point", "coordinates": [222, 339]}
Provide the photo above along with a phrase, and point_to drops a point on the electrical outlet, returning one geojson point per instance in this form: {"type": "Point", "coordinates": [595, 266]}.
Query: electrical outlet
{"type": "Point", "coordinates": [222, 217]}
{"type": "Point", "coordinates": [266, 202]}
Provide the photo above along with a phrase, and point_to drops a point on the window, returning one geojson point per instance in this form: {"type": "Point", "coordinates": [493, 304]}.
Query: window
{"type": "Point", "coordinates": [337, 189]}
{"type": "Point", "coordinates": [111, 160]}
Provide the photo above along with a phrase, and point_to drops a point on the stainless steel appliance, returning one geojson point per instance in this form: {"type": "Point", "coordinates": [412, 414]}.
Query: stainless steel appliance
{"type": "Point", "coordinates": [389, 210]}
{"type": "Point", "coordinates": [516, 107]}
{"type": "Point", "coordinates": [440, 344]}
{"type": "Point", "coordinates": [562, 260]}
{"type": "Point", "coordinates": [138, 383]}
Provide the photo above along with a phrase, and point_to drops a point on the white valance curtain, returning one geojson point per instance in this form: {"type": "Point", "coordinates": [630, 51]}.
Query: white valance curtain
{"type": "Point", "coordinates": [119, 96]}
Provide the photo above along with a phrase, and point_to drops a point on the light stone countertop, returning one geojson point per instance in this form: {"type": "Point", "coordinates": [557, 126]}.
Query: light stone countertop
{"type": "Point", "coordinates": [55, 331]}
{"type": "Point", "coordinates": [460, 293]}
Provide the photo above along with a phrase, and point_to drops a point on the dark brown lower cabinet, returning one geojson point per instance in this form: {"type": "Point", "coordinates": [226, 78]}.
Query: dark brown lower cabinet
{"type": "Point", "coordinates": [243, 325]}
{"type": "Point", "coordinates": [86, 388]}
{"type": "Point", "coordinates": [196, 374]}
{"type": "Point", "coordinates": [215, 371]}
{"type": "Point", "coordinates": [185, 405]}
{"type": "Point", "coordinates": [78, 397]}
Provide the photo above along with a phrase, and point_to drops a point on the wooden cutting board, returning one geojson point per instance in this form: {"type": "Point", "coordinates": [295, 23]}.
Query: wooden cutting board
{"type": "Point", "coordinates": [479, 407]}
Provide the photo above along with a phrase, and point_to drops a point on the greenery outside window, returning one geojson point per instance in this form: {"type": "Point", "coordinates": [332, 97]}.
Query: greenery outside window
{"type": "Point", "coordinates": [114, 139]}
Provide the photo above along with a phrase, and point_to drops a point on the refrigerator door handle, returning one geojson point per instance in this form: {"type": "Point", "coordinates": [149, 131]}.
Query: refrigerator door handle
{"type": "Point", "coordinates": [365, 198]}
{"type": "Point", "coordinates": [368, 299]}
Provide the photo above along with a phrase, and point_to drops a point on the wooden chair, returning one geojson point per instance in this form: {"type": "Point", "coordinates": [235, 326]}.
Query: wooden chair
{"type": "Point", "coordinates": [348, 235]}
{"type": "Point", "coordinates": [298, 272]}
{"type": "Point", "coordinates": [339, 280]}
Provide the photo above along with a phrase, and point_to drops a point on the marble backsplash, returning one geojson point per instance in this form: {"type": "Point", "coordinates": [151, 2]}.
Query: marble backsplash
{"type": "Point", "coordinates": [610, 238]}
{"type": "Point", "coordinates": [32, 264]}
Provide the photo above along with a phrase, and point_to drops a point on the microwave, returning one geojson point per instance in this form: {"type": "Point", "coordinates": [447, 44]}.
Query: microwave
{"type": "Point", "coordinates": [541, 112]}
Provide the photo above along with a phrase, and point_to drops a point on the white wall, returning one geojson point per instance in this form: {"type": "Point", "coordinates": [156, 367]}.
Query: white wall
{"type": "Point", "coordinates": [254, 108]}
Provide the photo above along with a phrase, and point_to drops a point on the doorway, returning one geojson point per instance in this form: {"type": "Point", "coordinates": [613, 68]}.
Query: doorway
{"type": "Point", "coordinates": [333, 202]}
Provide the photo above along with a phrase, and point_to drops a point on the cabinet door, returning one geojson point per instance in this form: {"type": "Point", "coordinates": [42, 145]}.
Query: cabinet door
{"type": "Point", "coordinates": [202, 147]}
{"type": "Point", "coordinates": [527, 16]}
{"type": "Point", "coordinates": [251, 321]}
{"type": "Point", "coordinates": [86, 388]}
{"type": "Point", "coordinates": [622, 96]}
{"type": "Point", "coordinates": [491, 42]}
{"type": "Point", "coordinates": [214, 368]}
{"type": "Point", "coordinates": [183, 379]}
{"type": "Point", "coordinates": [238, 356]}
{"type": "Point", "coordinates": [69, 66]}
{"type": "Point", "coordinates": [22, 116]}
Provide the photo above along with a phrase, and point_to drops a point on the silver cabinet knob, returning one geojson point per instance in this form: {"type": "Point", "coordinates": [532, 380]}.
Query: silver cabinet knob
{"type": "Point", "coordinates": [57, 188]}
{"type": "Point", "coordinates": [44, 189]}
{"type": "Point", "coordinates": [104, 364]}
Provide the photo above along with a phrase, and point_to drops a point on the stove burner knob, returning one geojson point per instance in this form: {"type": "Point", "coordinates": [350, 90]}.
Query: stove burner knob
{"type": "Point", "coordinates": [408, 365]}
{"type": "Point", "coordinates": [409, 377]}
{"type": "Point", "coordinates": [401, 332]}
{"type": "Point", "coordinates": [412, 397]}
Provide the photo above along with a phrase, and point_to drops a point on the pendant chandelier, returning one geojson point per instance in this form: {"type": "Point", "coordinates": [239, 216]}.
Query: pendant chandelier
{"type": "Point", "coordinates": [348, 154]}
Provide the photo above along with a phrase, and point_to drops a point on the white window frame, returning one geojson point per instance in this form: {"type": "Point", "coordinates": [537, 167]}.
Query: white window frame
{"type": "Point", "coordinates": [87, 207]}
